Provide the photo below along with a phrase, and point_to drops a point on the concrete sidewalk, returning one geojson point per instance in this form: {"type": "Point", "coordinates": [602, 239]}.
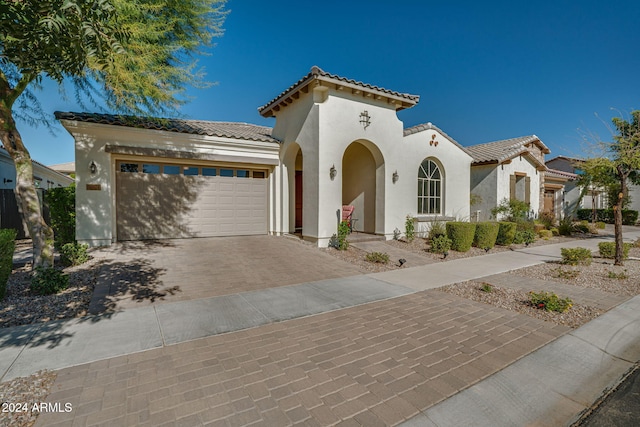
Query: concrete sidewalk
{"type": "Point", "coordinates": [605, 347]}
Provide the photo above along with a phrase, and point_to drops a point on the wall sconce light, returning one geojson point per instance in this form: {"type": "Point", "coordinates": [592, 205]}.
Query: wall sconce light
{"type": "Point", "coordinates": [395, 177]}
{"type": "Point", "coordinates": [333, 172]}
{"type": "Point", "coordinates": [93, 168]}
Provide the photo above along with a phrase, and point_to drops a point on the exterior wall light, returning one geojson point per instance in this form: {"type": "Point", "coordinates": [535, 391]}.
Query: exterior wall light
{"type": "Point", "coordinates": [333, 172]}
{"type": "Point", "coordinates": [93, 168]}
{"type": "Point", "coordinates": [395, 177]}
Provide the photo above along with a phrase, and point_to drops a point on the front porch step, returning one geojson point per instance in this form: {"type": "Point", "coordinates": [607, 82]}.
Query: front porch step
{"type": "Point", "coordinates": [356, 236]}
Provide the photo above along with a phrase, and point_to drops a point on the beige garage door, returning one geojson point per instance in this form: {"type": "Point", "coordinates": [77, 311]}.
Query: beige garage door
{"type": "Point", "coordinates": [163, 201]}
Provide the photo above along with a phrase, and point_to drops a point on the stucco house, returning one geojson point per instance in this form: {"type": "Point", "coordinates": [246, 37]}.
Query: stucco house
{"type": "Point", "coordinates": [561, 193]}
{"type": "Point", "coordinates": [336, 141]}
{"type": "Point", "coordinates": [44, 178]}
{"type": "Point", "coordinates": [508, 169]}
{"type": "Point", "coordinates": [573, 194]}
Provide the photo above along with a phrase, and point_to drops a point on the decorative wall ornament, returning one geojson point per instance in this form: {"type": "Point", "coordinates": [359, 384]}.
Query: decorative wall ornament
{"type": "Point", "coordinates": [433, 140]}
{"type": "Point", "coordinates": [333, 172]}
{"type": "Point", "coordinates": [365, 120]}
{"type": "Point", "coordinates": [395, 177]}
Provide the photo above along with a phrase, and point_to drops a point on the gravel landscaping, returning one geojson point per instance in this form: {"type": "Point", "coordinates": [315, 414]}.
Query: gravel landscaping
{"type": "Point", "coordinates": [23, 391]}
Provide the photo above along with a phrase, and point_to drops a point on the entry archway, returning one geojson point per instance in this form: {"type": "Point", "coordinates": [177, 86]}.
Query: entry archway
{"type": "Point", "coordinates": [363, 184]}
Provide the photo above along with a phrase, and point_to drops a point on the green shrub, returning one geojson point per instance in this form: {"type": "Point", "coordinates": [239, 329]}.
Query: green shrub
{"type": "Point", "coordinates": [62, 210]}
{"type": "Point", "coordinates": [567, 274]}
{"type": "Point", "coordinates": [581, 227]}
{"type": "Point", "coordinates": [538, 227]}
{"type": "Point", "coordinates": [49, 280]}
{"type": "Point", "coordinates": [620, 276]}
{"type": "Point", "coordinates": [409, 228]}
{"type": "Point", "coordinates": [629, 217]}
{"type": "Point", "coordinates": [437, 229]}
{"type": "Point", "coordinates": [461, 235]}
{"type": "Point", "coordinates": [486, 235]}
{"type": "Point", "coordinates": [440, 244]}
{"type": "Point", "coordinates": [575, 256]}
{"type": "Point", "coordinates": [506, 233]}
{"type": "Point", "coordinates": [524, 236]}
{"type": "Point", "coordinates": [486, 287]}
{"type": "Point", "coordinates": [343, 231]}
{"type": "Point", "coordinates": [608, 249]}
{"type": "Point", "coordinates": [600, 225]}
{"type": "Point", "coordinates": [545, 234]}
{"type": "Point", "coordinates": [74, 253]}
{"type": "Point", "coordinates": [379, 257]}
{"type": "Point", "coordinates": [565, 227]}
{"type": "Point", "coordinates": [554, 231]}
{"type": "Point", "coordinates": [549, 302]}
{"type": "Point", "coordinates": [512, 210]}
{"type": "Point", "coordinates": [7, 246]}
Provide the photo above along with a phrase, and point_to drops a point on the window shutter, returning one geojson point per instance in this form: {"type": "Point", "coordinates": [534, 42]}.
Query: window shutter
{"type": "Point", "coordinates": [512, 187]}
{"type": "Point", "coordinates": [527, 189]}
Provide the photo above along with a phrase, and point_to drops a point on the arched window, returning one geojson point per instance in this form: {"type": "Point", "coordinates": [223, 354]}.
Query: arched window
{"type": "Point", "coordinates": [429, 188]}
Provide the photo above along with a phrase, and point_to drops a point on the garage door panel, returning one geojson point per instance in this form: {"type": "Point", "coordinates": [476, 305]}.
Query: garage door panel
{"type": "Point", "coordinates": [157, 206]}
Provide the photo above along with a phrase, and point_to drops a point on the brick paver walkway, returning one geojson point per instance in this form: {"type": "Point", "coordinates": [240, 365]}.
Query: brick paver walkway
{"type": "Point", "coordinates": [375, 364]}
{"type": "Point", "coordinates": [141, 273]}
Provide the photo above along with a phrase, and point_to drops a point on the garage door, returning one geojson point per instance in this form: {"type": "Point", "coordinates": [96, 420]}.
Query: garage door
{"type": "Point", "coordinates": [163, 201]}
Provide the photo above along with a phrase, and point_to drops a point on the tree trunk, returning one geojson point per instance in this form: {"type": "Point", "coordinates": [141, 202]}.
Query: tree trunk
{"type": "Point", "coordinates": [26, 194]}
{"type": "Point", "coordinates": [617, 219]}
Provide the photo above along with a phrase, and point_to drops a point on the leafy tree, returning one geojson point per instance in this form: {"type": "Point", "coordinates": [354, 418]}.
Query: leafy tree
{"type": "Point", "coordinates": [134, 57]}
{"type": "Point", "coordinates": [623, 162]}
{"type": "Point", "coordinates": [593, 175]}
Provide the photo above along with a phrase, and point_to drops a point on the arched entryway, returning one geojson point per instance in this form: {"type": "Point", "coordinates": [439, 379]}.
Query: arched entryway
{"type": "Point", "coordinates": [293, 161]}
{"type": "Point", "coordinates": [363, 185]}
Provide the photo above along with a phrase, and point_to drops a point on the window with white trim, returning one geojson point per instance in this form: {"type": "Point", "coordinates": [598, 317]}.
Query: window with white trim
{"type": "Point", "coordinates": [429, 188]}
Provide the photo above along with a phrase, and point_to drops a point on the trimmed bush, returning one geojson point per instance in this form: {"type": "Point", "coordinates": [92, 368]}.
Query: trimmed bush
{"type": "Point", "coordinates": [62, 209]}
{"type": "Point", "coordinates": [486, 235]}
{"type": "Point", "coordinates": [575, 256]}
{"type": "Point", "coordinates": [549, 302]}
{"type": "Point", "coordinates": [7, 246]}
{"type": "Point", "coordinates": [600, 225]}
{"type": "Point", "coordinates": [440, 244]}
{"type": "Point", "coordinates": [74, 253]}
{"type": "Point", "coordinates": [554, 231]}
{"type": "Point", "coordinates": [48, 281]}
{"type": "Point", "coordinates": [506, 233]}
{"type": "Point", "coordinates": [461, 235]}
{"type": "Point", "coordinates": [608, 249]}
{"type": "Point", "coordinates": [343, 231]}
{"type": "Point", "coordinates": [380, 257]}
{"type": "Point", "coordinates": [524, 236]}
{"type": "Point", "coordinates": [629, 217]}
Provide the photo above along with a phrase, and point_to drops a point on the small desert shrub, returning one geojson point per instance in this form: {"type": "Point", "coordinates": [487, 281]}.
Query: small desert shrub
{"type": "Point", "coordinates": [46, 281]}
{"type": "Point", "coordinates": [7, 246]}
{"type": "Point", "coordinates": [486, 235]}
{"type": "Point", "coordinates": [600, 225]}
{"type": "Point", "coordinates": [581, 227]}
{"type": "Point", "coordinates": [549, 302]}
{"type": "Point", "coordinates": [409, 228]}
{"type": "Point", "coordinates": [538, 227]}
{"type": "Point", "coordinates": [545, 234]}
{"type": "Point", "coordinates": [461, 235]}
{"type": "Point", "coordinates": [486, 287]}
{"type": "Point", "coordinates": [343, 231]}
{"type": "Point", "coordinates": [554, 231]}
{"type": "Point", "coordinates": [437, 229]}
{"type": "Point", "coordinates": [506, 233]}
{"type": "Point", "coordinates": [567, 274]}
{"type": "Point", "coordinates": [440, 244]}
{"type": "Point", "coordinates": [565, 227]}
{"type": "Point", "coordinates": [74, 253]}
{"type": "Point", "coordinates": [524, 236]}
{"type": "Point", "coordinates": [620, 276]}
{"type": "Point", "coordinates": [379, 257]}
{"type": "Point", "coordinates": [547, 219]}
{"type": "Point", "coordinates": [608, 249]}
{"type": "Point", "coordinates": [575, 256]}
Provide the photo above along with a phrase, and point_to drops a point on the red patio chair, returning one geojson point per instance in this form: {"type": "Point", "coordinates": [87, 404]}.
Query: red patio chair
{"type": "Point", "coordinates": [347, 215]}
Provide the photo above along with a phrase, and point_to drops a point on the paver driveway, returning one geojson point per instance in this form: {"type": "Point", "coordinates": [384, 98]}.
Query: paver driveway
{"type": "Point", "coordinates": [138, 273]}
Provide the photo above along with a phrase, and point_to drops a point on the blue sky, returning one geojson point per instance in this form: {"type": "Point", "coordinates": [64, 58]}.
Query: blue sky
{"type": "Point", "coordinates": [484, 70]}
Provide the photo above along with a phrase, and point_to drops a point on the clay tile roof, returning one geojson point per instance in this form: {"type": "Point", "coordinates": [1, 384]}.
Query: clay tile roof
{"type": "Point", "coordinates": [554, 173]}
{"type": "Point", "coordinates": [500, 151]}
{"type": "Point", "coordinates": [318, 73]}
{"type": "Point", "coordinates": [234, 130]}
{"type": "Point", "coordinates": [430, 126]}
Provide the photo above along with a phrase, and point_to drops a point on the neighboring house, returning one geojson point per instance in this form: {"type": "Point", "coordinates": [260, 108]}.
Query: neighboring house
{"type": "Point", "coordinates": [44, 179]}
{"type": "Point", "coordinates": [335, 142]}
{"type": "Point", "coordinates": [68, 168]}
{"type": "Point", "coordinates": [561, 193]}
{"type": "Point", "coordinates": [573, 199]}
{"type": "Point", "coordinates": [508, 169]}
